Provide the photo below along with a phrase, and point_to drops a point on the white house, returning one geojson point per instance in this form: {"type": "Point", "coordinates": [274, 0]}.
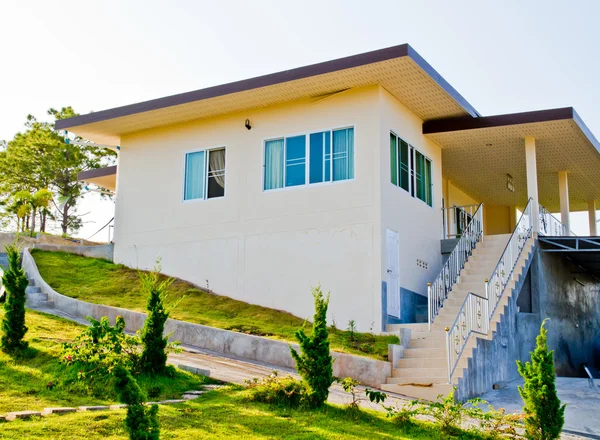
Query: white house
{"type": "Point", "coordinates": [354, 173]}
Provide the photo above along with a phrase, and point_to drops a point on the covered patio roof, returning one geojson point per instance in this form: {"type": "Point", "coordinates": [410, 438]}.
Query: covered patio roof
{"type": "Point", "coordinates": [478, 153]}
{"type": "Point", "coordinates": [399, 69]}
{"type": "Point", "coordinates": [103, 177]}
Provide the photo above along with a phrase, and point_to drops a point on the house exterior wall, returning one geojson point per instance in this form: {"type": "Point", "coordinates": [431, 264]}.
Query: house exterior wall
{"type": "Point", "coordinates": [263, 247]}
{"type": "Point", "coordinates": [419, 225]}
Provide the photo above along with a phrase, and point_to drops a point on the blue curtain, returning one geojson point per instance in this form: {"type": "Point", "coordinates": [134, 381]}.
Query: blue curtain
{"type": "Point", "coordinates": [274, 164]}
{"type": "Point", "coordinates": [194, 176]}
{"type": "Point", "coordinates": [343, 154]}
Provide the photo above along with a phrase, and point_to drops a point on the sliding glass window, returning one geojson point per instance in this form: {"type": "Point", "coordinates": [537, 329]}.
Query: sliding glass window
{"type": "Point", "coordinates": [410, 170]}
{"type": "Point", "coordinates": [204, 174]}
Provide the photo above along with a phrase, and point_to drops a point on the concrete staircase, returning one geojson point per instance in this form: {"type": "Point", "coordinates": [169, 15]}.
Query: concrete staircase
{"type": "Point", "coordinates": [423, 371]}
{"type": "Point", "coordinates": [35, 298]}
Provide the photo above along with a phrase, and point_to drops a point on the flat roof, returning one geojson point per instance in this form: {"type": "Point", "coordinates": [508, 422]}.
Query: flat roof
{"type": "Point", "coordinates": [460, 104]}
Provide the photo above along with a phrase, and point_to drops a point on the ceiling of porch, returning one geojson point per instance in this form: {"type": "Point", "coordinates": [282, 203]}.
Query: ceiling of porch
{"type": "Point", "coordinates": [477, 156]}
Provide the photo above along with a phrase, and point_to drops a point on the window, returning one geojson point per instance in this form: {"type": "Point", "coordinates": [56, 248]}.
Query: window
{"type": "Point", "coordinates": [330, 158]}
{"type": "Point", "coordinates": [204, 174]}
{"type": "Point", "coordinates": [410, 170]}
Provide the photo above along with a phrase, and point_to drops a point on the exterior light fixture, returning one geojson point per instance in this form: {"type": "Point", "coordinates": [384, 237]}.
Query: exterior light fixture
{"type": "Point", "coordinates": [509, 183]}
{"type": "Point", "coordinates": [247, 124]}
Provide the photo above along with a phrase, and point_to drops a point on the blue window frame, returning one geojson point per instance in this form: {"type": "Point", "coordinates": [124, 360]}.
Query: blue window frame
{"type": "Point", "coordinates": [295, 161]}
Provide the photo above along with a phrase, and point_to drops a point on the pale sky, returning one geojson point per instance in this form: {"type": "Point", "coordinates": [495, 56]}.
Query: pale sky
{"type": "Point", "coordinates": [503, 57]}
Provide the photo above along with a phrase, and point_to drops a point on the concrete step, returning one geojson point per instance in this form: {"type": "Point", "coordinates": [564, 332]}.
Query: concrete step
{"type": "Point", "coordinates": [418, 380]}
{"type": "Point", "coordinates": [43, 304]}
{"type": "Point", "coordinates": [427, 335]}
{"type": "Point", "coordinates": [416, 352]}
{"type": "Point", "coordinates": [441, 371]}
{"type": "Point", "coordinates": [429, 343]}
{"type": "Point", "coordinates": [422, 362]}
{"type": "Point", "coordinates": [34, 297]}
{"type": "Point", "coordinates": [32, 289]}
{"type": "Point", "coordinates": [420, 392]}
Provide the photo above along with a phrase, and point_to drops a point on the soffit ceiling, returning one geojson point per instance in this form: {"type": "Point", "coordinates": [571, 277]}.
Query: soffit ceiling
{"type": "Point", "coordinates": [108, 182]}
{"type": "Point", "coordinates": [480, 170]}
{"type": "Point", "coordinates": [402, 77]}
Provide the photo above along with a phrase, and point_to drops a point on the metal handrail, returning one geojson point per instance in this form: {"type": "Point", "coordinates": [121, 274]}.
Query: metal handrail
{"type": "Point", "coordinates": [504, 270]}
{"type": "Point", "coordinates": [456, 219]}
{"type": "Point", "coordinates": [551, 226]}
{"type": "Point", "coordinates": [473, 317]}
{"type": "Point", "coordinates": [476, 313]}
{"type": "Point", "coordinates": [437, 292]}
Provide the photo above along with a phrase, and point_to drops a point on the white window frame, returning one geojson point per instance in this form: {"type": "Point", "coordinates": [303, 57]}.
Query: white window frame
{"type": "Point", "coordinates": [206, 151]}
{"type": "Point", "coordinates": [307, 170]}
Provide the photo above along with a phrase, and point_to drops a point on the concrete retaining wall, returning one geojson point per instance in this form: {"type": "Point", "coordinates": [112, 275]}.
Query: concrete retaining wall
{"type": "Point", "coordinates": [368, 371]}
{"type": "Point", "coordinates": [98, 251]}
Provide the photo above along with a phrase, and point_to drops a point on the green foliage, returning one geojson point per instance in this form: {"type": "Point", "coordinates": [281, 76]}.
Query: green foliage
{"type": "Point", "coordinates": [101, 348]}
{"type": "Point", "coordinates": [498, 424]}
{"type": "Point", "coordinates": [154, 355]}
{"type": "Point", "coordinates": [285, 392]}
{"type": "Point", "coordinates": [403, 414]}
{"type": "Point", "coordinates": [39, 159]}
{"type": "Point", "coordinates": [349, 385]}
{"type": "Point", "coordinates": [448, 413]}
{"type": "Point", "coordinates": [13, 325]}
{"type": "Point", "coordinates": [141, 421]}
{"type": "Point", "coordinates": [544, 414]}
{"type": "Point", "coordinates": [315, 364]}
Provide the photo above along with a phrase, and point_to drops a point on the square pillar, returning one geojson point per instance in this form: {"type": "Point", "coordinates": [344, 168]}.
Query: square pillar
{"type": "Point", "coordinates": [592, 216]}
{"type": "Point", "coordinates": [563, 190]}
{"type": "Point", "coordinates": [532, 182]}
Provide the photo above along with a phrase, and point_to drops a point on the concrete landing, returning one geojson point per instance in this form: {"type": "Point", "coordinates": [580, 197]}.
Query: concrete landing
{"type": "Point", "coordinates": [583, 404]}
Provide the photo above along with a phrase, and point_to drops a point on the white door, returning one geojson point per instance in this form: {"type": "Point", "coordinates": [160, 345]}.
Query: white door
{"type": "Point", "coordinates": [393, 266]}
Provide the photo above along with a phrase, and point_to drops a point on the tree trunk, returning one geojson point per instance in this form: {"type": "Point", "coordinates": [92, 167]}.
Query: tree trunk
{"type": "Point", "coordinates": [33, 215]}
{"type": "Point", "coordinates": [65, 220]}
{"type": "Point", "coordinates": [43, 224]}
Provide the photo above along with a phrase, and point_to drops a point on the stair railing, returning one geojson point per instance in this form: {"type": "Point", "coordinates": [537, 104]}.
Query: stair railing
{"type": "Point", "coordinates": [504, 271]}
{"type": "Point", "coordinates": [476, 313]}
{"type": "Point", "coordinates": [473, 317]}
{"type": "Point", "coordinates": [550, 226]}
{"type": "Point", "coordinates": [437, 292]}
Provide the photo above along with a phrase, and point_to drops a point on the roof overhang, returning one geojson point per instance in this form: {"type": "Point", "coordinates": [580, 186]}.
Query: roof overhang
{"type": "Point", "coordinates": [478, 153]}
{"type": "Point", "coordinates": [103, 177]}
{"type": "Point", "coordinates": [399, 69]}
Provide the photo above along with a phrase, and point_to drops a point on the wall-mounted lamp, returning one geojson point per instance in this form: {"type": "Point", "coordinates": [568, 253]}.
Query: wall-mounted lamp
{"type": "Point", "coordinates": [509, 183]}
{"type": "Point", "coordinates": [247, 124]}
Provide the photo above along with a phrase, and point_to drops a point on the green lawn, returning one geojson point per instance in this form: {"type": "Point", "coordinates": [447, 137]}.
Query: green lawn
{"type": "Point", "coordinates": [100, 281]}
{"type": "Point", "coordinates": [23, 381]}
{"type": "Point", "coordinates": [221, 414]}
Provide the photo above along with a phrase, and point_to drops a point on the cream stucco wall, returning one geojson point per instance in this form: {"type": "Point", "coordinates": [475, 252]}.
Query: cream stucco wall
{"type": "Point", "coordinates": [419, 225]}
{"type": "Point", "coordinates": [266, 248]}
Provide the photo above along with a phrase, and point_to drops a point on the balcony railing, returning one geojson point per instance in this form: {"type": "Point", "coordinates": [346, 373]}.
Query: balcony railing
{"type": "Point", "coordinates": [437, 292]}
{"type": "Point", "coordinates": [550, 226]}
{"type": "Point", "coordinates": [456, 219]}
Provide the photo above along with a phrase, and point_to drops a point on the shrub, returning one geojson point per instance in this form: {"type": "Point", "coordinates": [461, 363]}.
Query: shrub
{"type": "Point", "coordinates": [279, 391]}
{"type": "Point", "coordinates": [497, 424]}
{"type": "Point", "coordinates": [102, 347]}
{"type": "Point", "coordinates": [544, 414]}
{"type": "Point", "coordinates": [447, 412]}
{"type": "Point", "coordinates": [403, 414]}
{"type": "Point", "coordinates": [154, 355]}
{"type": "Point", "coordinates": [141, 421]}
{"type": "Point", "coordinates": [15, 283]}
{"type": "Point", "coordinates": [314, 363]}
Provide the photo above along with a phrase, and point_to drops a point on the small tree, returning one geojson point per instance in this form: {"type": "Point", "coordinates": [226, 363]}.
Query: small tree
{"type": "Point", "coordinates": [141, 421]}
{"type": "Point", "coordinates": [154, 355]}
{"type": "Point", "coordinates": [315, 364]}
{"type": "Point", "coordinates": [13, 324]}
{"type": "Point", "coordinates": [544, 415]}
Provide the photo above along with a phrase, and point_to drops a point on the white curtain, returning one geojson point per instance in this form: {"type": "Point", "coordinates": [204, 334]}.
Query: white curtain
{"type": "Point", "coordinates": [343, 154]}
{"type": "Point", "coordinates": [274, 164]}
{"type": "Point", "coordinates": [216, 166]}
{"type": "Point", "coordinates": [194, 176]}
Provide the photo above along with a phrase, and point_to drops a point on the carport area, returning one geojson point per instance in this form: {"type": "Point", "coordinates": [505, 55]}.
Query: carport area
{"type": "Point", "coordinates": [583, 403]}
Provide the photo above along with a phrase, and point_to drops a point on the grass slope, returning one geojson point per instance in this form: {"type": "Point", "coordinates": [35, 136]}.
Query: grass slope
{"type": "Point", "coordinates": [100, 281]}
{"type": "Point", "coordinates": [23, 380]}
{"type": "Point", "coordinates": [226, 414]}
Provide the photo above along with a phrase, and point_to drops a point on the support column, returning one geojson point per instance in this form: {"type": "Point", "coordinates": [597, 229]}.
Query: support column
{"type": "Point", "coordinates": [593, 219]}
{"type": "Point", "coordinates": [532, 185]}
{"type": "Point", "coordinates": [563, 189]}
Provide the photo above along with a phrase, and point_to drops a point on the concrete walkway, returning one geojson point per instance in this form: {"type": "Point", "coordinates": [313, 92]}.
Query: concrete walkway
{"type": "Point", "coordinates": [583, 403]}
